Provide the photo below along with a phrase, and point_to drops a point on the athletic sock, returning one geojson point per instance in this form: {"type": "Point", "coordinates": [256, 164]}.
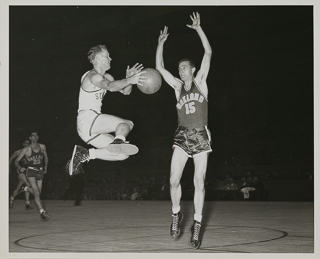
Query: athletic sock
{"type": "Point", "coordinates": [197, 217]}
{"type": "Point", "coordinates": [28, 202]}
{"type": "Point", "coordinates": [92, 153]}
{"type": "Point", "coordinates": [41, 211]}
{"type": "Point", "coordinates": [175, 210]}
{"type": "Point", "coordinates": [120, 137]}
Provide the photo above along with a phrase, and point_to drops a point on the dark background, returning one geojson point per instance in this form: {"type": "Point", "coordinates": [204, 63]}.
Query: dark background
{"type": "Point", "coordinates": [260, 82]}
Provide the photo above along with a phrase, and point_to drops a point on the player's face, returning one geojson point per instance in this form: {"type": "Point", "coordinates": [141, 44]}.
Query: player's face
{"type": "Point", "coordinates": [185, 71]}
{"type": "Point", "coordinates": [105, 59]}
{"type": "Point", "coordinates": [26, 143]}
{"type": "Point", "coordinates": [34, 137]}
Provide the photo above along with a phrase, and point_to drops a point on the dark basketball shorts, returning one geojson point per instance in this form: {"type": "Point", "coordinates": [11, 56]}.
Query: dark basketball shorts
{"type": "Point", "coordinates": [192, 141]}
{"type": "Point", "coordinates": [35, 172]}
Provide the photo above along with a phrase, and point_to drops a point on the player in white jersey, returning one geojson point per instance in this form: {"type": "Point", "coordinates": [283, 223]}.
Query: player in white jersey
{"type": "Point", "coordinates": [94, 127]}
{"type": "Point", "coordinates": [192, 138]}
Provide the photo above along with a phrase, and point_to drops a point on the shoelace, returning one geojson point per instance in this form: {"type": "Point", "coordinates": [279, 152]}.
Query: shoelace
{"type": "Point", "coordinates": [175, 221]}
{"type": "Point", "coordinates": [196, 231]}
{"type": "Point", "coordinates": [84, 159]}
{"type": "Point", "coordinates": [84, 156]}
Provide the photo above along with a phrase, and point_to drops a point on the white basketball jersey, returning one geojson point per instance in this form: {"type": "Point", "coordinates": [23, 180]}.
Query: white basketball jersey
{"type": "Point", "coordinates": [90, 100]}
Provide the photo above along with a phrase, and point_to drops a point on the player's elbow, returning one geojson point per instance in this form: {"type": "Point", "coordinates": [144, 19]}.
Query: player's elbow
{"type": "Point", "coordinates": [160, 69]}
{"type": "Point", "coordinates": [159, 65]}
{"type": "Point", "coordinates": [208, 52]}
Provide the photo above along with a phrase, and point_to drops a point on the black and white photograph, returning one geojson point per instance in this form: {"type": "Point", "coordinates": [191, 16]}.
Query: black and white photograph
{"type": "Point", "coordinates": [165, 130]}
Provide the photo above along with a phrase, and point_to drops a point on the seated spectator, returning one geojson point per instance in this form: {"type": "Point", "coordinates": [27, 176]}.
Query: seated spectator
{"type": "Point", "coordinates": [252, 184]}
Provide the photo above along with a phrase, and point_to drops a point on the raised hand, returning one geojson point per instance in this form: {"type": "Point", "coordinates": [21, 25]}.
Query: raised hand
{"type": "Point", "coordinates": [195, 21]}
{"type": "Point", "coordinates": [163, 35]}
{"type": "Point", "coordinates": [134, 70]}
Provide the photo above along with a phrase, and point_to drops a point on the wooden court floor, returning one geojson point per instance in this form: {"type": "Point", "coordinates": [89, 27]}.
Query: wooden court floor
{"type": "Point", "coordinates": [138, 228]}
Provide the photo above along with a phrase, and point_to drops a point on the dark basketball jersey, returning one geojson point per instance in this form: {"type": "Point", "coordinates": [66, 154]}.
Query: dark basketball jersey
{"type": "Point", "coordinates": [23, 162]}
{"type": "Point", "coordinates": [192, 108]}
{"type": "Point", "coordinates": [36, 159]}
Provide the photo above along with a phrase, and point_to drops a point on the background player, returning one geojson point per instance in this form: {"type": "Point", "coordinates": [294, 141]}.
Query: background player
{"type": "Point", "coordinates": [192, 138]}
{"type": "Point", "coordinates": [22, 177]}
{"type": "Point", "coordinates": [37, 160]}
{"type": "Point", "coordinates": [93, 127]}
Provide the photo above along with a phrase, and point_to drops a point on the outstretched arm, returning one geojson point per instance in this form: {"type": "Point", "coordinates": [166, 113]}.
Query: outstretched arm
{"type": "Point", "coordinates": [167, 76]}
{"type": "Point", "coordinates": [117, 85]}
{"type": "Point", "coordinates": [205, 64]}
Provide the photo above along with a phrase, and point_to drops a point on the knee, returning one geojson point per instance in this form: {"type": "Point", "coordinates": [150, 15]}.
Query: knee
{"type": "Point", "coordinates": [36, 192]}
{"type": "Point", "coordinates": [130, 123]}
{"type": "Point", "coordinates": [198, 183]}
{"type": "Point", "coordinates": [174, 181]}
{"type": "Point", "coordinates": [122, 157]}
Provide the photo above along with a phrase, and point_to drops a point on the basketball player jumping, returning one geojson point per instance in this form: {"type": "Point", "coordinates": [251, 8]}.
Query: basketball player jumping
{"type": "Point", "coordinates": [22, 177]}
{"type": "Point", "coordinates": [93, 127]}
{"type": "Point", "coordinates": [37, 164]}
{"type": "Point", "coordinates": [192, 137]}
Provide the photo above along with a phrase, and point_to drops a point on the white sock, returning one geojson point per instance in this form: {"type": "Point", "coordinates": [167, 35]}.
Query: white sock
{"type": "Point", "coordinates": [27, 202]}
{"type": "Point", "coordinates": [120, 137]}
{"type": "Point", "coordinates": [197, 217]}
{"type": "Point", "coordinates": [92, 153]}
{"type": "Point", "coordinates": [25, 189]}
{"type": "Point", "coordinates": [175, 210]}
{"type": "Point", "coordinates": [41, 211]}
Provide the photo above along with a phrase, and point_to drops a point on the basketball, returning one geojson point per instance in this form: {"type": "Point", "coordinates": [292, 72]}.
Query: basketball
{"type": "Point", "coordinates": [152, 83]}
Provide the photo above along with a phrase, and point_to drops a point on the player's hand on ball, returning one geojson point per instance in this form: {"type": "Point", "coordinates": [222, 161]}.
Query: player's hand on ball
{"type": "Point", "coordinates": [134, 70]}
{"type": "Point", "coordinates": [137, 78]}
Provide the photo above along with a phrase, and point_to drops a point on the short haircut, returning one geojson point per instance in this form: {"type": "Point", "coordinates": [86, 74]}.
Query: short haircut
{"type": "Point", "coordinates": [189, 60]}
{"type": "Point", "coordinates": [34, 132]}
{"type": "Point", "coordinates": [92, 53]}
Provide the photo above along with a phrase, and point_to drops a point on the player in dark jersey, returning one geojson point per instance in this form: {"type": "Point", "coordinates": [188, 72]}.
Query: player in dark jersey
{"type": "Point", "coordinates": [192, 138]}
{"type": "Point", "coordinates": [37, 160]}
{"type": "Point", "coordinates": [22, 177]}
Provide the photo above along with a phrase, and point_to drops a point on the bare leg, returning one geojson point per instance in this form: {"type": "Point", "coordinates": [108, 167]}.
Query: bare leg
{"type": "Point", "coordinates": [36, 191]}
{"type": "Point", "coordinates": [106, 123]}
{"type": "Point", "coordinates": [123, 129]}
{"type": "Point", "coordinates": [200, 163]}
{"type": "Point", "coordinates": [27, 196]}
{"type": "Point", "coordinates": [16, 191]}
{"type": "Point", "coordinates": [30, 190]}
{"type": "Point", "coordinates": [178, 162]}
{"type": "Point", "coordinates": [23, 178]}
{"type": "Point", "coordinates": [39, 183]}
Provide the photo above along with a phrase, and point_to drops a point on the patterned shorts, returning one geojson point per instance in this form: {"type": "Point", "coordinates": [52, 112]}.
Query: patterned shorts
{"type": "Point", "coordinates": [35, 172]}
{"type": "Point", "coordinates": [192, 141]}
